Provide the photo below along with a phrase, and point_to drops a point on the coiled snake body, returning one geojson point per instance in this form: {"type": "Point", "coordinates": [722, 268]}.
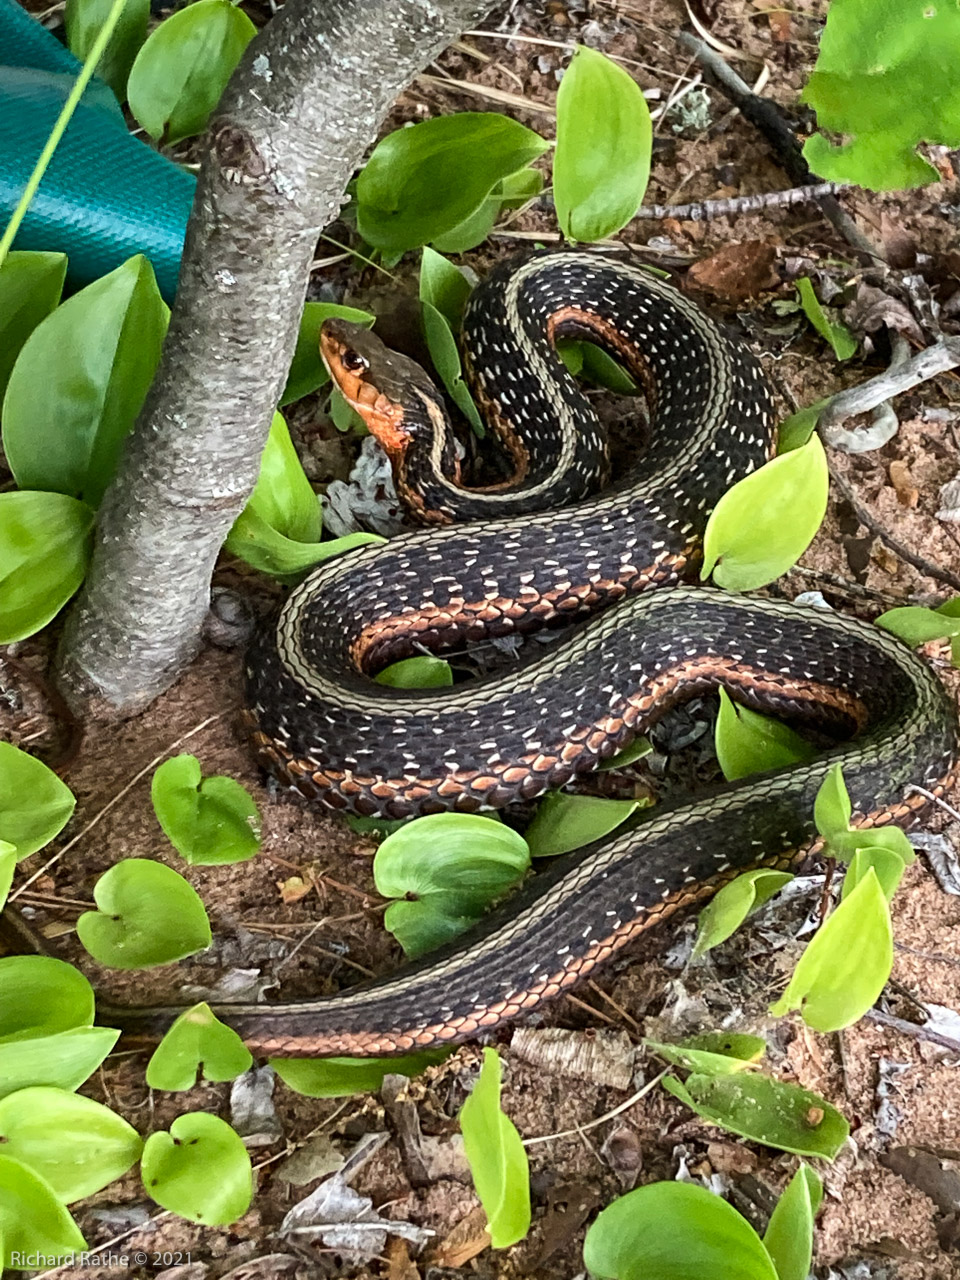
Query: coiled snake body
{"type": "Point", "coordinates": [324, 727]}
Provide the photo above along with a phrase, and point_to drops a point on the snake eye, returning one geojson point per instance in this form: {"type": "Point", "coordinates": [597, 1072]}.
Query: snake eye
{"type": "Point", "coordinates": [353, 361]}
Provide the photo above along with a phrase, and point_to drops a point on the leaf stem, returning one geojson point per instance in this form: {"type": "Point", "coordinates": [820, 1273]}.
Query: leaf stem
{"type": "Point", "coordinates": [59, 128]}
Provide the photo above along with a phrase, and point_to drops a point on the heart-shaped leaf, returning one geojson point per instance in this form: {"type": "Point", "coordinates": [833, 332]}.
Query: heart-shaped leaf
{"type": "Point", "coordinates": [148, 915]}
{"type": "Point", "coordinates": [208, 822]}
{"type": "Point", "coordinates": [200, 1170]}
{"type": "Point", "coordinates": [197, 1039]}
{"type": "Point", "coordinates": [77, 1145]}
{"type": "Point", "coordinates": [453, 866]}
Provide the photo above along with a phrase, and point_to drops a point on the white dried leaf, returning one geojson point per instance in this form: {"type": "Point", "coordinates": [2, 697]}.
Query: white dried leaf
{"type": "Point", "coordinates": [950, 501]}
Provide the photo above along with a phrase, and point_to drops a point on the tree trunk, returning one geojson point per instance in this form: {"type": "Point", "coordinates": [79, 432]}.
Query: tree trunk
{"type": "Point", "coordinates": [290, 130]}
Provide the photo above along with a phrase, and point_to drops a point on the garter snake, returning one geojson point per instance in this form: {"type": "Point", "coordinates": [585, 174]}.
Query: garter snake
{"type": "Point", "coordinates": [325, 728]}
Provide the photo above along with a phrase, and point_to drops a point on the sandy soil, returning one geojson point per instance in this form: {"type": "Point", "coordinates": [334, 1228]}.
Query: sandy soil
{"type": "Point", "coordinates": [304, 914]}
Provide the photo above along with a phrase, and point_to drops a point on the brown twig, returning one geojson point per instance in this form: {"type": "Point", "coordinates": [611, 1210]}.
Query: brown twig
{"type": "Point", "coordinates": [920, 563]}
{"type": "Point", "coordinates": [703, 210]}
{"type": "Point", "coordinates": [912, 1029]}
{"type": "Point", "coordinates": [766, 117]}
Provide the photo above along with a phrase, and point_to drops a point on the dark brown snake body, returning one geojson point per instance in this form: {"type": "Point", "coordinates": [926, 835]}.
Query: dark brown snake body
{"type": "Point", "coordinates": [321, 725]}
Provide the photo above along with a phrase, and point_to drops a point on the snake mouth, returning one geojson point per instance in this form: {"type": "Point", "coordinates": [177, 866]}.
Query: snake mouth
{"type": "Point", "coordinates": [353, 377]}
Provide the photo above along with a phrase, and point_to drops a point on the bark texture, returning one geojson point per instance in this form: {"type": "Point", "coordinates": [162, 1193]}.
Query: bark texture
{"type": "Point", "coordinates": [292, 126]}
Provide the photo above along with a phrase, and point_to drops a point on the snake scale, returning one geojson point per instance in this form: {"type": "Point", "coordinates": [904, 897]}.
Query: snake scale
{"type": "Point", "coordinates": [320, 724]}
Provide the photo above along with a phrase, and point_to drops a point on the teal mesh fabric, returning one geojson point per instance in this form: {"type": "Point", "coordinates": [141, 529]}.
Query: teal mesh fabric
{"type": "Point", "coordinates": [106, 194]}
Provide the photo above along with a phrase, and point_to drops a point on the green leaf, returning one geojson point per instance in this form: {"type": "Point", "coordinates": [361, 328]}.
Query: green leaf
{"type": "Point", "coordinates": [32, 1219]}
{"type": "Point", "coordinates": [847, 963]}
{"type": "Point", "coordinates": [789, 1234]}
{"type": "Point", "coordinates": [63, 1059]}
{"type": "Point", "coordinates": [764, 523]}
{"type": "Point", "coordinates": [842, 341]}
{"type": "Point", "coordinates": [604, 140]}
{"type": "Point", "coordinates": [181, 71]}
{"type": "Point", "coordinates": [916, 626]}
{"type": "Point", "coordinates": [34, 804]}
{"type": "Point", "coordinates": [425, 180]}
{"type": "Point", "coordinates": [278, 531]}
{"type": "Point", "coordinates": [446, 359]}
{"type": "Point", "coordinates": [496, 1157]}
{"type": "Point", "coordinates": [255, 541]}
{"type": "Point", "coordinates": [564, 822]}
{"type": "Point", "coordinates": [208, 822]}
{"type": "Point", "coordinates": [951, 609]}
{"type": "Point", "coordinates": [40, 996]}
{"type": "Point", "coordinates": [748, 742]}
{"type": "Point", "coordinates": [716, 1053]}
{"type": "Point", "coordinates": [77, 1145]}
{"type": "Point", "coordinates": [344, 1077]}
{"type": "Point", "coordinates": [765, 1110]}
{"type": "Point", "coordinates": [30, 288]}
{"type": "Point", "coordinates": [630, 754]}
{"type": "Point", "coordinates": [342, 414]}
{"type": "Point", "coordinates": [797, 429]}
{"type": "Point", "coordinates": [417, 673]}
{"type": "Point", "coordinates": [472, 230]}
{"type": "Point", "coordinates": [197, 1039]}
{"type": "Point", "coordinates": [80, 382]}
{"type": "Point", "coordinates": [886, 79]}
{"type": "Point", "coordinates": [46, 541]}
{"type": "Point", "coordinates": [517, 189]}
{"type": "Point", "coordinates": [453, 866]}
{"type": "Point", "coordinates": [83, 20]}
{"type": "Point", "coordinates": [148, 915]}
{"type": "Point", "coordinates": [8, 864]}
{"type": "Point", "coordinates": [444, 286]}
{"type": "Point", "coordinates": [674, 1231]}
{"type": "Point", "coordinates": [886, 865]}
{"type": "Point", "coordinates": [200, 1169]}
{"type": "Point", "coordinates": [832, 809]}
{"type": "Point", "coordinates": [307, 370]}
{"type": "Point", "coordinates": [729, 907]}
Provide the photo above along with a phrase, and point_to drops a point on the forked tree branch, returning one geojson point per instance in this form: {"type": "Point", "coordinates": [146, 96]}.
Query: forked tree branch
{"type": "Point", "coordinates": [290, 130]}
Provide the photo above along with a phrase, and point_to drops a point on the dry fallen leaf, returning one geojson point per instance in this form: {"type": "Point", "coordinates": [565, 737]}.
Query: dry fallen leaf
{"type": "Point", "coordinates": [908, 495]}
{"type": "Point", "coordinates": [293, 889]}
{"type": "Point", "coordinates": [468, 1238]}
{"type": "Point", "coordinates": [737, 271]}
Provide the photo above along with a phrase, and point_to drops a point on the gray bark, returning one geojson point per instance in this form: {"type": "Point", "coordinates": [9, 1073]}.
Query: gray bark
{"type": "Point", "coordinates": [291, 128]}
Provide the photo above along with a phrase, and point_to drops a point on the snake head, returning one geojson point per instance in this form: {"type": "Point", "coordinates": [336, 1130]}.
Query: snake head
{"type": "Point", "coordinates": [380, 384]}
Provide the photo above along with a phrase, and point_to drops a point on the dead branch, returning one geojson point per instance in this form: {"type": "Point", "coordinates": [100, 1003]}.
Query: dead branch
{"type": "Point", "coordinates": [291, 128]}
